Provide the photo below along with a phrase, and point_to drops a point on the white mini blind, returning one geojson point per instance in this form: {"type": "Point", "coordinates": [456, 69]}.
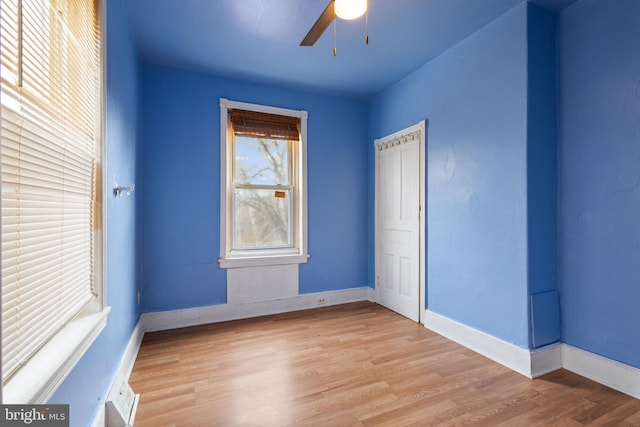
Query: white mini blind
{"type": "Point", "coordinates": [50, 156]}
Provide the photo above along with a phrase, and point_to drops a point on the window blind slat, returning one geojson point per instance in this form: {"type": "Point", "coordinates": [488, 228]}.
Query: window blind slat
{"type": "Point", "coordinates": [45, 135]}
{"type": "Point", "coordinates": [37, 260]}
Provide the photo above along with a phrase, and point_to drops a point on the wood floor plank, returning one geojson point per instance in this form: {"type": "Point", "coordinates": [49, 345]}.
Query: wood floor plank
{"type": "Point", "coordinates": [351, 365]}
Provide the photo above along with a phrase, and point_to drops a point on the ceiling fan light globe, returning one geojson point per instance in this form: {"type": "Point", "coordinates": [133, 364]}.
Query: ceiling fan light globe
{"type": "Point", "coordinates": [350, 9]}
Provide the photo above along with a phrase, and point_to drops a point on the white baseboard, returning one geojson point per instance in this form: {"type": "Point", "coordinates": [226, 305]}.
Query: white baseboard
{"type": "Point", "coordinates": [535, 363]}
{"type": "Point", "coordinates": [164, 320]}
{"type": "Point", "coordinates": [125, 366]}
{"type": "Point", "coordinates": [507, 354]}
{"type": "Point", "coordinates": [100, 420]}
{"type": "Point", "coordinates": [616, 375]}
{"type": "Point", "coordinates": [546, 359]}
{"type": "Point", "coordinates": [131, 352]}
{"type": "Point", "coordinates": [371, 295]}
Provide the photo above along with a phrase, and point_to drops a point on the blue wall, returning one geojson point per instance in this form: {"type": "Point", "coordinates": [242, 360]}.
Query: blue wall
{"type": "Point", "coordinates": [542, 175]}
{"type": "Point", "coordinates": [88, 383]}
{"type": "Point", "coordinates": [180, 167]}
{"type": "Point", "coordinates": [492, 172]}
{"type": "Point", "coordinates": [475, 99]}
{"type": "Point", "coordinates": [600, 178]}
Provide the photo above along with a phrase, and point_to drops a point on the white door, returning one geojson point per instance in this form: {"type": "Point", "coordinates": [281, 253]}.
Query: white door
{"type": "Point", "coordinates": [398, 226]}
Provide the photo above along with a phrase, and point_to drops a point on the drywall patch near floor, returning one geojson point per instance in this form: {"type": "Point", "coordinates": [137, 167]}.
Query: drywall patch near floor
{"type": "Point", "coordinates": [264, 283]}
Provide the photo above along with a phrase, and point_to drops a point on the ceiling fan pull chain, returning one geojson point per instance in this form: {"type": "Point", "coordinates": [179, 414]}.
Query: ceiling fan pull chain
{"type": "Point", "coordinates": [366, 24]}
{"type": "Point", "coordinates": [334, 37]}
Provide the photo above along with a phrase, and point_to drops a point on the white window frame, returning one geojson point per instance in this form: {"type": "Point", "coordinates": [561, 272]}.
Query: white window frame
{"type": "Point", "coordinates": [298, 253]}
{"type": "Point", "coordinates": [46, 370]}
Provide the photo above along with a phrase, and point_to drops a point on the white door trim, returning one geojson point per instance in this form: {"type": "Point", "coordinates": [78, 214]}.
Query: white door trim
{"type": "Point", "coordinates": [396, 137]}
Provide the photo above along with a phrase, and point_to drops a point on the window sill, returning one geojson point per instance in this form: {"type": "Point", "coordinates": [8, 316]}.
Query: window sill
{"type": "Point", "coordinates": [38, 380]}
{"type": "Point", "coordinates": [259, 261]}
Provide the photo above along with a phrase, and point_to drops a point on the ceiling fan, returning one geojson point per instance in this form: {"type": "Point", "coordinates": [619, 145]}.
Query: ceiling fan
{"type": "Point", "coordinates": [343, 9]}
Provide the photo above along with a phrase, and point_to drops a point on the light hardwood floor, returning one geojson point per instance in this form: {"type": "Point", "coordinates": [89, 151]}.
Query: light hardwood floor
{"type": "Point", "coordinates": [351, 365]}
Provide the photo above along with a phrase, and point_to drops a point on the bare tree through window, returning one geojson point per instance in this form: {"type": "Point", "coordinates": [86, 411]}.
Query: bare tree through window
{"type": "Point", "coordinates": [262, 193]}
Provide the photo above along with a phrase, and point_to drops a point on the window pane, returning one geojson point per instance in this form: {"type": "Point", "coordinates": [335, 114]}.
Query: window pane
{"type": "Point", "coordinates": [261, 161]}
{"type": "Point", "coordinates": [261, 218]}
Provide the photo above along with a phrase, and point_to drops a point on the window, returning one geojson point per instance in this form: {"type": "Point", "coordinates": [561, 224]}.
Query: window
{"type": "Point", "coordinates": [263, 194]}
{"type": "Point", "coordinates": [51, 114]}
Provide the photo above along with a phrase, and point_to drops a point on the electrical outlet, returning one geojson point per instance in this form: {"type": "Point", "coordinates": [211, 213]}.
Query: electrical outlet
{"type": "Point", "coordinates": [322, 300]}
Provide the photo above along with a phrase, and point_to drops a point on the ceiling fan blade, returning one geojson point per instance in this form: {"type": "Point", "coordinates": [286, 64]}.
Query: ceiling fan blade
{"type": "Point", "coordinates": [321, 24]}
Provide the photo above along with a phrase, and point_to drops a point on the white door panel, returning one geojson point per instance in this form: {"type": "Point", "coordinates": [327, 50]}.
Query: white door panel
{"type": "Point", "coordinates": [398, 228]}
